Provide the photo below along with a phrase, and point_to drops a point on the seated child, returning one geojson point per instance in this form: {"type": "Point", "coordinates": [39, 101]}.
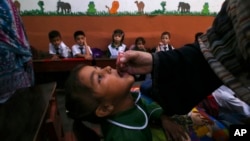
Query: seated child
{"type": "Point", "coordinates": [103, 96]}
{"type": "Point", "coordinates": [56, 46]}
{"type": "Point", "coordinates": [81, 48]}
{"type": "Point", "coordinates": [139, 44]}
{"type": "Point", "coordinates": [117, 44]}
{"type": "Point", "coordinates": [164, 44]}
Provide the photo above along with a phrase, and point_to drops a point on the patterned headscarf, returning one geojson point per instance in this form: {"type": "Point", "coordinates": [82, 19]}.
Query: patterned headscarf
{"type": "Point", "coordinates": [226, 46]}
{"type": "Point", "coordinates": [16, 69]}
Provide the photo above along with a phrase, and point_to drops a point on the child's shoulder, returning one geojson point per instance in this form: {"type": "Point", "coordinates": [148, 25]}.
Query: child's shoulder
{"type": "Point", "coordinates": [75, 45]}
{"type": "Point", "coordinates": [62, 44]}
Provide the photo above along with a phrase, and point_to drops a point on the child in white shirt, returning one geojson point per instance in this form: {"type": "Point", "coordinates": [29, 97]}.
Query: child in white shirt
{"type": "Point", "coordinates": [164, 45]}
{"type": "Point", "coordinates": [81, 48]}
{"type": "Point", "coordinates": [116, 46]}
{"type": "Point", "coordinates": [57, 48]}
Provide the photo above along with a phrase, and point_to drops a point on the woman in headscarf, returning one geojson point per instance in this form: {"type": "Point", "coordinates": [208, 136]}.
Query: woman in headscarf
{"type": "Point", "coordinates": [15, 55]}
{"type": "Point", "coordinates": [185, 76]}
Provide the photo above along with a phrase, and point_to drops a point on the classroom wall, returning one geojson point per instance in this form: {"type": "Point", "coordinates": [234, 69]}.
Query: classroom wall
{"type": "Point", "coordinates": [98, 29]}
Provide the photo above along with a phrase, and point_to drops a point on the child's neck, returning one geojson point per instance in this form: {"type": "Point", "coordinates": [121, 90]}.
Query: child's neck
{"type": "Point", "coordinates": [116, 44]}
{"type": "Point", "coordinates": [123, 104]}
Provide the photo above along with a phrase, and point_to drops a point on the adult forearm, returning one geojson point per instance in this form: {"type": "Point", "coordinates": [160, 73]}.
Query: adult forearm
{"type": "Point", "coordinates": [182, 78]}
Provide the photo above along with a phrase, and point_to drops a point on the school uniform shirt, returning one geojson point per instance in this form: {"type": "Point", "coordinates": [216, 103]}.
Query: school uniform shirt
{"type": "Point", "coordinates": [225, 98]}
{"type": "Point", "coordinates": [132, 124]}
{"type": "Point", "coordinates": [166, 47]}
{"type": "Point", "coordinates": [76, 49]}
{"type": "Point", "coordinates": [113, 51]}
{"type": "Point", "coordinates": [63, 50]}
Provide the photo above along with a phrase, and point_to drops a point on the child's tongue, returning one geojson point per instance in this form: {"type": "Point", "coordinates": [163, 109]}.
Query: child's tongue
{"type": "Point", "coordinates": [121, 74]}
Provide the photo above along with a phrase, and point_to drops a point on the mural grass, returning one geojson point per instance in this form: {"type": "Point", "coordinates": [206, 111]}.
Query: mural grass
{"type": "Point", "coordinates": [124, 13]}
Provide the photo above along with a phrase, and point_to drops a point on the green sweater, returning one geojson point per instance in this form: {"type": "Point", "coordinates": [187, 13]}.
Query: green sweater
{"type": "Point", "coordinates": [132, 124]}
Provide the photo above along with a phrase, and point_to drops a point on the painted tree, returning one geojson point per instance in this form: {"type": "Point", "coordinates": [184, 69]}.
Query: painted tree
{"type": "Point", "coordinates": [205, 9]}
{"type": "Point", "coordinates": [41, 4]}
{"type": "Point", "coordinates": [163, 5]}
{"type": "Point", "coordinates": [91, 8]}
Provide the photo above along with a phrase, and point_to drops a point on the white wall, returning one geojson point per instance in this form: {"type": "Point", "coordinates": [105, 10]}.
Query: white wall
{"type": "Point", "coordinates": [125, 5]}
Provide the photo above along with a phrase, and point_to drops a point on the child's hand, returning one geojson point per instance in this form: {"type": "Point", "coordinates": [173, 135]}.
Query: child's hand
{"type": "Point", "coordinates": [200, 118]}
{"type": "Point", "coordinates": [160, 44]}
{"type": "Point", "coordinates": [85, 42]}
{"type": "Point", "coordinates": [143, 48]}
{"type": "Point", "coordinates": [55, 57]}
{"type": "Point", "coordinates": [88, 57]}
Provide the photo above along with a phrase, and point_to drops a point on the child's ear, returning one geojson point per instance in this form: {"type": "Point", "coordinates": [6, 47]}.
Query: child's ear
{"type": "Point", "coordinates": [104, 109]}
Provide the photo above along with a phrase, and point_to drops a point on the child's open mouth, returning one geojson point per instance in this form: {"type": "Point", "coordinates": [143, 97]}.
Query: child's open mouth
{"type": "Point", "coordinates": [121, 74]}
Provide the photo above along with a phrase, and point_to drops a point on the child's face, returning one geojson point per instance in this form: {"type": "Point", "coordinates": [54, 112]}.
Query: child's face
{"type": "Point", "coordinates": [80, 39]}
{"type": "Point", "coordinates": [118, 38]}
{"type": "Point", "coordinates": [56, 41]}
{"type": "Point", "coordinates": [140, 45]}
{"type": "Point", "coordinates": [165, 39]}
{"type": "Point", "coordinates": [106, 83]}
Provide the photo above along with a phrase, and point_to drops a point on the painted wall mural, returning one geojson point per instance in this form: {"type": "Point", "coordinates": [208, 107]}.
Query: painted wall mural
{"type": "Point", "coordinates": [118, 7]}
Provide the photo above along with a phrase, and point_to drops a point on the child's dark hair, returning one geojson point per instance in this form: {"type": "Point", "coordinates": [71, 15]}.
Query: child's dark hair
{"type": "Point", "coordinates": [140, 39]}
{"type": "Point", "coordinates": [79, 101]}
{"type": "Point", "coordinates": [77, 33]}
{"type": "Point", "coordinates": [118, 31]}
{"type": "Point", "coordinates": [54, 33]}
{"type": "Point", "coordinates": [166, 33]}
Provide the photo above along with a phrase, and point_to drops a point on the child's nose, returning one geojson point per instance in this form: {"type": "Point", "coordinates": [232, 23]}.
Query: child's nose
{"type": "Point", "coordinates": [108, 69]}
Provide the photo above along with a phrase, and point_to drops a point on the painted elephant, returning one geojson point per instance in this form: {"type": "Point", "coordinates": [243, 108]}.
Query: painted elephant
{"type": "Point", "coordinates": [183, 7]}
{"type": "Point", "coordinates": [64, 7]}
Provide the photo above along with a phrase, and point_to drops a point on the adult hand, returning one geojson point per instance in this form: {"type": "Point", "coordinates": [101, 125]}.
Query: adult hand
{"type": "Point", "coordinates": [135, 62]}
{"type": "Point", "coordinates": [173, 130]}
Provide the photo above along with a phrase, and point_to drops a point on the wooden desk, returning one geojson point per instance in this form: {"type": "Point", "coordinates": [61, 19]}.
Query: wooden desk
{"type": "Point", "coordinates": [103, 62]}
{"type": "Point", "coordinates": [48, 65]}
{"type": "Point", "coordinates": [23, 115]}
{"type": "Point", "coordinates": [47, 70]}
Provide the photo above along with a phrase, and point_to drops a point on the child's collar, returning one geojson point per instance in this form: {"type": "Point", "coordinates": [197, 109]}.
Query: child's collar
{"type": "Point", "coordinates": [123, 125]}
{"type": "Point", "coordinates": [114, 46]}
